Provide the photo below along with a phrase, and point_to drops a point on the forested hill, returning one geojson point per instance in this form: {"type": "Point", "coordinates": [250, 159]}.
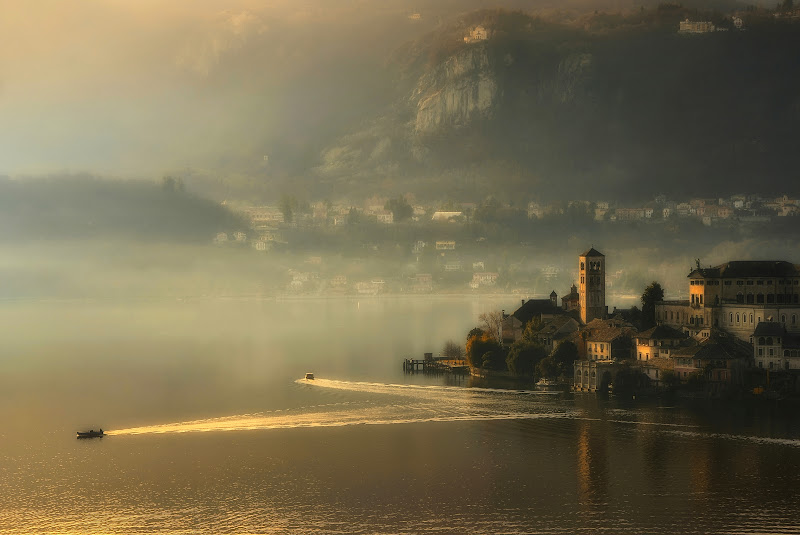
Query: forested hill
{"type": "Point", "coordinates": [603, 107]}
{"type": "Point", "coordinates": [77, 207]}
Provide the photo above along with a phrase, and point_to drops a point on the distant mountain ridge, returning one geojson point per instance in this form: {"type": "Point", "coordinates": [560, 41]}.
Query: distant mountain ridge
{"type": "Point", "coordinates": [619, 108]}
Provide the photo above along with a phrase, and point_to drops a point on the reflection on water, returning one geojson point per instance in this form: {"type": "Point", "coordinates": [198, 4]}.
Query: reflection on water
{"type": "Point", "coordinates": [215, 434]}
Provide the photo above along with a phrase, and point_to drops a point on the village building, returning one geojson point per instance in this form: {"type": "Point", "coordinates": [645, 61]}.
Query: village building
{"type": "Point", "coordinates": [659, 341]}
{"type": "Point", "coordinates": [553, 332]}
{"type": "Point", "coordinates": [539, 309]}
{"type": "Point", "coordinates": [478, 33]}
{"type": "Point", "coordinates": [736, 297]}
{"type": "Point", "coordinates": [775, 348]}
{"type": "Point", "coordinates": [721, 359]}
{"type": "Point", "coordinates": [572, 301]}
{"type": "Point", "coordinates": [445, 216]}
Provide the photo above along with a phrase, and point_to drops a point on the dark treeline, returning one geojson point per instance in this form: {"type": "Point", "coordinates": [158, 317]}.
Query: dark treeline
{"type": "Point", "coordinates": [81, 206]}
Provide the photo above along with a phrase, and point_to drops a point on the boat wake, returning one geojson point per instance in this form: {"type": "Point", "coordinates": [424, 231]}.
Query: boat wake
{"type": "Point", "coordinates": [412, 404]}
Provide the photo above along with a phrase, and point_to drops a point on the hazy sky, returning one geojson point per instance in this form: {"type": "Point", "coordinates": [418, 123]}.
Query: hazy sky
{"type": "Point", "coordinates": [125, 87]}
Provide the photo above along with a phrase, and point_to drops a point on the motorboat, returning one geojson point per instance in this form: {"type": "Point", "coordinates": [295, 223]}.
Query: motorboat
{"type": "Point", "coordinates": [91, 433]}
{"type": "Point", "coordinates": [309, 376]}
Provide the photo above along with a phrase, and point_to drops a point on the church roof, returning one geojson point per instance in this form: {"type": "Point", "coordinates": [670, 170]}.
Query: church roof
{"type": "Point", "coordinates": [593, 252]}
{"type": "Point", "coordinates": [536, 307]}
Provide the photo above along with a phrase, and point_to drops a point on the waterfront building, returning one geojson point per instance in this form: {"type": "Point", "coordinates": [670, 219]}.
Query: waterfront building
{"type": "Point", "coordinates": [774, 348]}
{"type": "Point", "coordinates": [736, 297]}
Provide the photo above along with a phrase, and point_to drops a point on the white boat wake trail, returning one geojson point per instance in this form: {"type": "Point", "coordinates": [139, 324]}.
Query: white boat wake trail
{"type": "Point", "coordinates": [407, 404]}
{"type": "Point", "coordinates": [404, 404]}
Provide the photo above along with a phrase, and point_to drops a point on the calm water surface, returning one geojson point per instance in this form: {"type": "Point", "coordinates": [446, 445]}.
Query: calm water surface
{"type": "Point", "coordinates": [212, 431]}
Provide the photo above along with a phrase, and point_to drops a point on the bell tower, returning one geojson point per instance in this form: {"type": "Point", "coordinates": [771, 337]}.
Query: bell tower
{"type": "Point", "coordinates": [592, 292]}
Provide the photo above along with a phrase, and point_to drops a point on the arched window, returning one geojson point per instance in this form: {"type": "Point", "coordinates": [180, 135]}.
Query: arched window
{"type": "Point", "coordinates": [760, 298]}
{"type": "Point", "coordinates": [770, 298]}
{"type": "Point", "coordinates": [737, 317]}
{"type": "Point", "coordinates": [593, 374]}
{"type": "Point", "coordinates": [731, 320]}
{"type": "Point", "coordinates": [750, 299]}
{"type": "Point", "coordinates": [761, 341]}
{"type": "Point", "coordinates": [740, 297]}
{"type": "Point", "coordinates": [586, 374]}
{"type": "Point", "coordinates": [751, 318]}
{"type": "Point", "coordinates": [785, 352]}
{"type": "Point", "coordinates": [783, 318]}
{"type": "Point", "coordinates": [769, 340]}
{"type": "Point", "coordinates": [794, 319]}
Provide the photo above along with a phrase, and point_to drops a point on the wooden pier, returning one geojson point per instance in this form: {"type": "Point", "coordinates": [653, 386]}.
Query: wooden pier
{"type": "Point", "coordinates": [432, 366]}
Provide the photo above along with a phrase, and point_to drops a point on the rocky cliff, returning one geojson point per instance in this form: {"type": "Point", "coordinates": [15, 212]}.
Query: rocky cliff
{"type": "Point", "coordinates": [451, 94]}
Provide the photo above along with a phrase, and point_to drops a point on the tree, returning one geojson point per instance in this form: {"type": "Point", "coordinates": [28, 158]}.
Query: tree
{"type": "Point", "coordinates": [652, 294]}
{"type": "Point", "coordinates": [353, 216]}
{"type": "Point", "coordinates": [523, 357]}
{"type": "Point", "coordinates": [477, 331]}
{"type": "Point", "coordinates": [531, 328]}
{"type": "Point", "coordinates": [452, 350]}
{"type": "Point", "coordinates": [400, 208]}
{"type": "Point", "coordinates": [492, 324]}
{"type": "Point", "coordinates": [478, 346]}
{"type": "Point", "coordinates": [288, 205]}
{"type": "Point", "coordinates": [564, 358]}
{"type": "Point", "coordinates": [171, 184]}
{"type": "Point", "coordinates": [494, 359]}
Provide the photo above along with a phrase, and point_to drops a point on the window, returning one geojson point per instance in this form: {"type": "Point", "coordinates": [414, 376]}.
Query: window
{"type": "Point", "coordinates": [771, 353]}
{"type": "Point", "coordinates": [783, 318]}
{"type": "Point", "coordinates": [760, 352]}
{"type": "Point", "coordinates": [794, 319]}
{"type": "Point", "coordinates": [737, 317]}
{"type": "Point", "coordinates": [770, 298]}
{"type": "Point", "coordinates": [691, 283]}
{"type": "Point", "coordinates": [739, 283]}
{"type": "Point", "coordinates": [701, 299]}
{"type": "Point", "coordinates": [727, 283]}
{"type": "Point", "coordinates": [731, 318]}
{"type": "Point", "coordinates": [749, 283]}
{"type": "Point", "coordinates": [750, 299]}
{"type": "Point", "coordinates": [760, 298]}
{"type": "Point", "coordinates": [740, 298]}
{"type": "Point", "coordinates": [761, 341]}
{"type": "Point", "coordinates": [785, 352]}
{"type": "Point", "coordinates": [769, 341]}
{"type": "Point", "coordinates": [761, 283]}
{"type": "Point", "coordinates": [751, 318]}
{"type": "Point", "coordinates": [583, 267]}
{"type": "Point", "coordinates": [780, 298]}
{"type": "Point", "coordinates": [769, 283]}
{"type": "Point", "coordinates": [760, 363]}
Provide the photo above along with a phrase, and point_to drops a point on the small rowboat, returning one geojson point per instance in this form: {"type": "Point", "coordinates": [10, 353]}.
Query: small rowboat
{"type": "Point", "coordinates": [310, 376]}
{"type": "Point", "coordinates": [91, 433]}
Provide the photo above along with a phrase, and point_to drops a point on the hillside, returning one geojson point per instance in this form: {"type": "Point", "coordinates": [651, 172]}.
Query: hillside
{"type": "Point", "coordinates": [603, 107]}
{"type": "Point", "coordinates": [79, 207]}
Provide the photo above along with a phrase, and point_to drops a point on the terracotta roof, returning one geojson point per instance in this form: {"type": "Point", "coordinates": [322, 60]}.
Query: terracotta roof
{"type": "Point", "coordinates": [661, 332]}
{"type": "Point", "coordinates": [718, 346]}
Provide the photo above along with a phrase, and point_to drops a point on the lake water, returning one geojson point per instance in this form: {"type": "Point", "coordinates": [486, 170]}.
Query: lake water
{"type": "Point", "coordinates": [212, 430]}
